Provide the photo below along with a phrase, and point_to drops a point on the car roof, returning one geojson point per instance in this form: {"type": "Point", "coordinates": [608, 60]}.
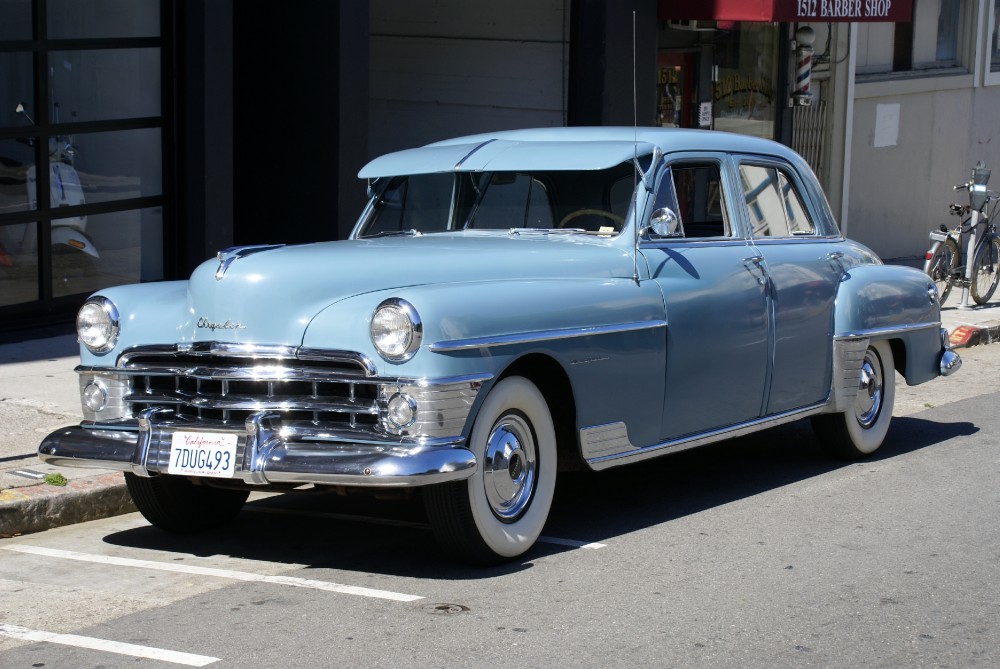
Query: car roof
{"type": "Point", "coordinates": [578, 148]}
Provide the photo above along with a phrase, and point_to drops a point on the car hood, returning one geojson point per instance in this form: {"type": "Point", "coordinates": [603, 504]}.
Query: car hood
{"type": "Point", "coordinates": [269, 295]}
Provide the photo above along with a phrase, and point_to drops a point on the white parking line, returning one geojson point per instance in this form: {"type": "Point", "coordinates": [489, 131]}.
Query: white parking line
{"type": "Point", "coordinates": [118, 647]}
{"type": "Point", "coordinates": [571, 542]}
{"type": "Point", "coordinates": [211, 571]}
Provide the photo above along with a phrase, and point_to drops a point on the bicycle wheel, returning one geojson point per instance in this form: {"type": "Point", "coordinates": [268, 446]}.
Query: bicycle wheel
{"type": "Point", "coordinates": [986, 271]}
{"type": "Point", "coordinates": [942, 266]}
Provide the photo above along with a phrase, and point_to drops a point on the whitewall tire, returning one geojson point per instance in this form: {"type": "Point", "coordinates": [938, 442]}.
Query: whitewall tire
{"type": "Point", "coordinates": [498, 513]}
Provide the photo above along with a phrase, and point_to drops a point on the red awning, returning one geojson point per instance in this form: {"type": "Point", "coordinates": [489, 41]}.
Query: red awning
{"type": "Point", "coordinates": [787, 11]}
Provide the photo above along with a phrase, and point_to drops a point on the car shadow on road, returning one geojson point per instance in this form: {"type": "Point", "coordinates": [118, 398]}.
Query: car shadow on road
{"type": "Point", "coordinates": [359, 533]}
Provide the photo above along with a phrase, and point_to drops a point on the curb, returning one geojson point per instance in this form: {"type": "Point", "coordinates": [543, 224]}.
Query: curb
{"type": "Point", "coordinates": [42, 507]}
{"type": "Point", "coordinates": [965, 336]}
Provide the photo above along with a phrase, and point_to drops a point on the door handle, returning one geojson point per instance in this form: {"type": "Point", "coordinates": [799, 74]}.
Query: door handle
{"type": "Point", "coordinates": [755, 264]}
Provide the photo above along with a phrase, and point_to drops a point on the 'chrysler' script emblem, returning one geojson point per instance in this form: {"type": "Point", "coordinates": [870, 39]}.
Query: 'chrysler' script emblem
{"type": "Point", "coordinates": [206, 324]}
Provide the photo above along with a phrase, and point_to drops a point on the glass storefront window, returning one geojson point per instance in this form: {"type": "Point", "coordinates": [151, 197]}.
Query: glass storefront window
{"type": "Point", "coordinates": [72, 19]}
{"type": "Point", "coordinates": [100, 85]}
{"type": "Point", "coordinates": [120, 248]}
{"type": "Point", "coordinates": [15, 19]}
{"type": "Point", "coordinates": [118, 165]}
{"type": "Point", "coordinates": [17, 158]}
{"type": "Point", "coordinates": [99, 64]}
{"type": "Point", "coordinates": [745, 100]}
{"type": "Point", "coordinates": [15, 86]}
{"type": "Point", "coordinates": [18, 270]}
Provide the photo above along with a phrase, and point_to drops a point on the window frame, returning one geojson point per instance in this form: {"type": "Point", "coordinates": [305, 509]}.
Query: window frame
{"type": "Point", "coordinates": [43, 49]}
{"type": "Point", "coordinates": [802, 194]}
{"type": "Point", "coordinates": [732, 218]}
{"type": "Point", "coordinates": [966, 60]}
{"type": "Point", "coordinates": [990, 28]}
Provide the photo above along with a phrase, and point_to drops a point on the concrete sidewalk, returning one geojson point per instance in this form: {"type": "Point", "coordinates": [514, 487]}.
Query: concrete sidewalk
{"type": "Point", "coordinates": [39, 394]}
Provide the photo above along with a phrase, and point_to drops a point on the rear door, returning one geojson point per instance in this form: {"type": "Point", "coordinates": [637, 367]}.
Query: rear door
{"type": "Point", "coordinates": [803, 273]}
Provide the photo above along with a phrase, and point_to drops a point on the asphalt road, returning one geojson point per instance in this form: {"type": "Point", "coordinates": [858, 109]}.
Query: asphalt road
{"type": "Point", "coordinates": [757, 552]}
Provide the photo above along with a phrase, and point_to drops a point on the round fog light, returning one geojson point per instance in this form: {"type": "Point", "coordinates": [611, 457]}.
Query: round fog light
{"type": "Point", "coordinates": [95, 396]}
{"type": "Point", "coordinates": [402, 410]}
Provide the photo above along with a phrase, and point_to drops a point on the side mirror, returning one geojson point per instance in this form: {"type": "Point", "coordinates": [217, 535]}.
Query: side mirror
{"type": "Point", "coordinates": [664, 223]}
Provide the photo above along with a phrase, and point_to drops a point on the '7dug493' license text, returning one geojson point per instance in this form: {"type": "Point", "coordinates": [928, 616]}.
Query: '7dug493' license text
{"type": "Point", "coordinates": [201, 454]}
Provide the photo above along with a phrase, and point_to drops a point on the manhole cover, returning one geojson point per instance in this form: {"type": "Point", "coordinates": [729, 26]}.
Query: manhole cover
{"type": "Point", "coordinates": [446, 609]}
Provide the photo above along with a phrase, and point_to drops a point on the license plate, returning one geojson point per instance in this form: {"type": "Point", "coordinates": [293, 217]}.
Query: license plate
{"type": "Point", "coordinates": [203, 454]}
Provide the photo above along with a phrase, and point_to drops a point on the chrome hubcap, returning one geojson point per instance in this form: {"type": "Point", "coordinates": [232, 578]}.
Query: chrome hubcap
{"type": "Point", "coordinates": [509, 467]}
{"type": "Point", "coordinates": [869, 401]}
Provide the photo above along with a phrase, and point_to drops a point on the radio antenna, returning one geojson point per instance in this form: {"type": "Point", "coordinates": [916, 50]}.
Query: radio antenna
{"type": "Point", "coordinates": [635, 166]}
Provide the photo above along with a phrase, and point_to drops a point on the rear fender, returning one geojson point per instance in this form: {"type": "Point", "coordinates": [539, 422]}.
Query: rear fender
{"type": "Point", "coordinates": [894, 303]}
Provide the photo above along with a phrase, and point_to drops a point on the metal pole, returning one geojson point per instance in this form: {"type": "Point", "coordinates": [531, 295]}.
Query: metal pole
{"type": "Point", "coordinates": [970, 251]}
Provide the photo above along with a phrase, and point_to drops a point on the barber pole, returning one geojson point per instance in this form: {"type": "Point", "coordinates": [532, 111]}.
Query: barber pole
{"type": "Point", "coordinates": [804, 38]}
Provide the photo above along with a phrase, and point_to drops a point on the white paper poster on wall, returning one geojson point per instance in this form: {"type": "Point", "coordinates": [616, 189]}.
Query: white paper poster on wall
{"type": "Point", "coordinates": [886, 125]}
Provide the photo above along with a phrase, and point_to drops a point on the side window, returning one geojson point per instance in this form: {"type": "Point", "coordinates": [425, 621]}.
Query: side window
{"type": "Point", "coordinates": [513, 201]}
{"type": "Point", "coordinates": [775, 206]}
{"type": "Point", "coordinates": [693, 190]}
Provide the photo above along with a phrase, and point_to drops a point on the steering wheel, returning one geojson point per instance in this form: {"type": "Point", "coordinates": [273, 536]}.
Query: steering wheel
{"type": "Point", "coordinates": [592, 212]}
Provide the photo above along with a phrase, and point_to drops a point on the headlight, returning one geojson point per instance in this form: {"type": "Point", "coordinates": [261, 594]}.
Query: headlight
{"type": "Point", "coordinates": [396, 330]}
{"type": "Point", "coordinates": [97, 324]}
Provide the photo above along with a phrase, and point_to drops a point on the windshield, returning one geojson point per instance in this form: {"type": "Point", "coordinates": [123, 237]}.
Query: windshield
{"type": "Point", "coordinates": [594, 201]}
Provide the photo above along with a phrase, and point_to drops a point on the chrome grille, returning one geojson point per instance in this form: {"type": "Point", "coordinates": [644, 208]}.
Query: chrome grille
{"type": "Point", "coordinates": [221, 388]}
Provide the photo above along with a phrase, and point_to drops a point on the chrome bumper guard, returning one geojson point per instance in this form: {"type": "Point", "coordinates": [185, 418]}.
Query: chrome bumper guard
{"type": "Point", "coordinates": [268, 452]}
{"type": "Point", "coordinates": [950, 361]}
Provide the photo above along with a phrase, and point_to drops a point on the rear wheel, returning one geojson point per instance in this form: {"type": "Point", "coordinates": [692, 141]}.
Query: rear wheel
{"type": "Point", "coordinates": [942, 265]}
{"type": "Point", "coordinates": [859, 431]}
{"type": "Point", "coordinates": [498, 513]}
{"type": "Point", "coordinates": [985, 271]}
{"type": "Point", "coordinates": [177, 505]}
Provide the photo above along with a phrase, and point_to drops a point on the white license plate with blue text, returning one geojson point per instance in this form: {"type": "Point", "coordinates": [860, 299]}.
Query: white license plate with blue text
{"type": "Point", "coordinates": [203, 454]}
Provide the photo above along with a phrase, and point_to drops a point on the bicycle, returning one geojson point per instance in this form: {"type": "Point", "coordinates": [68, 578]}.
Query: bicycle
{"type": "Point", "coordinates": [946, 264]}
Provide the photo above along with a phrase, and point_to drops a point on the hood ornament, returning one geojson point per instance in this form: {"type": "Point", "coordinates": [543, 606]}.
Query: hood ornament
{"type": "Point", "coordinates": [226, 257]}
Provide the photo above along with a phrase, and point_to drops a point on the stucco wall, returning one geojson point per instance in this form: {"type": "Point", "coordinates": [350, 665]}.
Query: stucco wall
{"type": "Point", "coordinates": [900, 190]}
{"type": "Point", "coordinates": [444, 69]}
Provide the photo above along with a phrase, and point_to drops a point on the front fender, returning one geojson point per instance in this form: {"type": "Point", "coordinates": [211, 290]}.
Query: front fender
{"type": "Point", "coordinates": [607, 334]}
{"type": "Point", "coordinates": [149, 313]}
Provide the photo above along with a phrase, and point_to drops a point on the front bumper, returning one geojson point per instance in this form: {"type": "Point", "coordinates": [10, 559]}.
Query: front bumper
{"type": "Point", "coordinates": [267, 452]}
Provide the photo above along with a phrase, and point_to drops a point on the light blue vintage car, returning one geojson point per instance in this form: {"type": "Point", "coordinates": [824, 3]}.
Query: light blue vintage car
{"type": "Point", "coordinates": [509, 305]}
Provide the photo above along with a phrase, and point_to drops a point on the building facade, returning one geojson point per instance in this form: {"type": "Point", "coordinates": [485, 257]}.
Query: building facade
{"type": "Point", "coordinates": [138, 137]}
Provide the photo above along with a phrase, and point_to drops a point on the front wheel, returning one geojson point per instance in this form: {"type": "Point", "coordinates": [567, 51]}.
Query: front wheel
{"type": "Point", "coordinates": [498, 513]}
{"type": "Point", "coordinates": [176, 504]}
{"type": "Point", "coordinates": [942, 265]}
{"type": "Point", "coordinates": [985, 271]}
{"type": "Point", "coordinates": [859, 431]}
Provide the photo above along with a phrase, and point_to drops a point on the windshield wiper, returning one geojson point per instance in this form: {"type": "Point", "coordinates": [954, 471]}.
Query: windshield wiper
{"type": "Point", "coordinates": [514, 232]}
{"type": "Point", "coordinates": [395, 233]}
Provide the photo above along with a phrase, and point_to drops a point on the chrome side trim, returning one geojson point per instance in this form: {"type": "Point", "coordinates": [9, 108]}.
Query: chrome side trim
{"type": "Point", "coordinates": [540, 336]}
{"type": "Point", "coordinates": [887, 331]}
{"type": "Point", "coordinates": [675, 445]}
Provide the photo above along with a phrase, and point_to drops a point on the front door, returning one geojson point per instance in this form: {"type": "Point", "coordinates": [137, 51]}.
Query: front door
{"type": "Point", "coordinates": [716, 306]}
